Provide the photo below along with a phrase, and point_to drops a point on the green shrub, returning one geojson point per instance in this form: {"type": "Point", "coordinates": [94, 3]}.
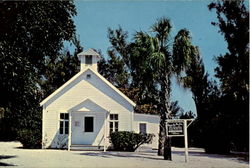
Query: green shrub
{"type": "Point", "coordinates": [128, 141]}
{"type": "Point", "coordinates": [217, 141]}
{"type": "Point", "coordinates": [31, 139]}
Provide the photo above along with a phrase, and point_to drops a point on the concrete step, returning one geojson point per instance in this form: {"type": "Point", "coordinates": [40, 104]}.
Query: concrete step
{"type": "Point", "coordinates": [86, 148]}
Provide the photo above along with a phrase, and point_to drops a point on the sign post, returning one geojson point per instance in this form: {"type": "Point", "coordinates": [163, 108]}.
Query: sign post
{"type": "Point", "coordinates": [186, 140]}
{"type": "Point", "coordinates": [178, 128]}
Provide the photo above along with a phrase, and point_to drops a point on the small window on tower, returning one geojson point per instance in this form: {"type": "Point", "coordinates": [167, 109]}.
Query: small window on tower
{"type": "Point", "coordinates": [88, 59]}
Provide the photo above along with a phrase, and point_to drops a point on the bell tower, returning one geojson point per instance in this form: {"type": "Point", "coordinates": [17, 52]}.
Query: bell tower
{"type": "Point", "coordinates": [88, 59]}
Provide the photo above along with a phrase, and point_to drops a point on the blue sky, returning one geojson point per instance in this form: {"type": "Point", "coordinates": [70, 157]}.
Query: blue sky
{"type": "Point", "coordinates": [94, 17]}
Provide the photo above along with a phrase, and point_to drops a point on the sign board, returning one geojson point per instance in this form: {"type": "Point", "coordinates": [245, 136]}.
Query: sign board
{"type": "Point", "coordinates": [175, 128]}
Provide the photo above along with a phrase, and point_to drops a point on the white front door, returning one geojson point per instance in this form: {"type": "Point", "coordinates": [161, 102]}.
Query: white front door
{"type": "Point", "coordinates": [87, 127]}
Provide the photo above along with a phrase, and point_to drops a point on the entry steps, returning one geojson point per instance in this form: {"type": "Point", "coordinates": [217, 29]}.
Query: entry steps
{"type": "Point", "coordinates": [86, 148]}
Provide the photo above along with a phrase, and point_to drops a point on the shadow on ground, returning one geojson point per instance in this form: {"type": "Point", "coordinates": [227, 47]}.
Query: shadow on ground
{"type": "Point", "coordinates": [149, 154]}
{"type": "Point", "coordinates": [6, 157]}
{"type": "Point", "coordinates": [124, 154]}
{"type": "Point", "coordinates": [237, 158]}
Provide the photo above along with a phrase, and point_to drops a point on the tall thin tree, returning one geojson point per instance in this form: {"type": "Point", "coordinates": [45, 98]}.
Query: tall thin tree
{"type": "Point", "coordinates": [168, 64]}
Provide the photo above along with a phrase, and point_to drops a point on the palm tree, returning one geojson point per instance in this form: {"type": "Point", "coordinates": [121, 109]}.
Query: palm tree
{"type": "Point", "coordinates": [168, 64]}
{"type": "Point", "coordinates": [161, 59]}
{"type": "Point", "coordinates": [142, 71]}
{"type": "Point", "coordinates": [151, 64]}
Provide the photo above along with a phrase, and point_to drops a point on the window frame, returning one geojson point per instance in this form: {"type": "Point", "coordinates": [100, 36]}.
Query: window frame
{"type": "Point", "coordinates": [63, 120]}
{"type": "Point", "coordinates": [114, 122]}
{"type": "Point", "coordinates": [145, 128]}
{"type": "Point", "coordinates": [88, 76]}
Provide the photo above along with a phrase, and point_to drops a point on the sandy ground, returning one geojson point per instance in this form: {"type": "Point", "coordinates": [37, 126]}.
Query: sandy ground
{"type": "Point", "coordinates": [12, 155]}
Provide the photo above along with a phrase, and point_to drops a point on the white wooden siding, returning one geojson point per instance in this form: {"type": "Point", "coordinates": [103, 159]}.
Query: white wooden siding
{"type": "Point", "coordinates": [152, 124]}
{"type": "Point", "coordinates": [80, 90]}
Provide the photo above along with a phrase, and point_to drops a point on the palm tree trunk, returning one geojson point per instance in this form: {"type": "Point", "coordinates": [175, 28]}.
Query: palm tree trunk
{"type": "Point", "coordinates": [167, 149]}
{"type": "Point", "coordinates": [167, 144]}
{"type": "Point", "coordinates": [164, 147]}
{"type": "Point", "coordinates": [162, 133]}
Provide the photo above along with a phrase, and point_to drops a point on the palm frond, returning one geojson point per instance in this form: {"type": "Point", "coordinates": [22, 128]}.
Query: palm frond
{"type": "Point", "coordinates": [162, 28]}
{"type": "Point", "coordinates": [158, 59]}
{"type": "Point", "coordinates": [182, 50]}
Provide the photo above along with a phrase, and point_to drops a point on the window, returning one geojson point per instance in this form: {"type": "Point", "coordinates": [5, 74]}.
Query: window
{"type": "Point", "coordinates": [64, 123]}
{"type": "Point", "coordinates": [113, 124]}
{"type": "Point", "coordinates": [89, 124]}
{"type": "Point", "coordinates": [143, 128]}
{"type": "Point", "coordinates": [88, 76]}
{"type": "Point", "coordinates": [88, 59]}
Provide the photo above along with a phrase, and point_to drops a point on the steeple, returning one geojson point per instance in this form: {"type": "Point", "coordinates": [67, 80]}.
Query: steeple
{"type": "Point", "coordinates": [89, 59]}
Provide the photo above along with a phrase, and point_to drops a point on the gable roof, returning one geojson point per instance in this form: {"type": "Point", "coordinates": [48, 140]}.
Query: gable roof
{"type": "Point", "coordinates": [80, 73]}
{"type": "Point", "coordinates": [87, 105]}
{"type": "Point", "coordinates": [89, 52]}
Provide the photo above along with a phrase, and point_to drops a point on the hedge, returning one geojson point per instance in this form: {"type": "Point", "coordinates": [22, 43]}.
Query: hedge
{"type": "Point", "coordinates": [128, 141]}
{"type": "Point", "coordinates": [31, 139]}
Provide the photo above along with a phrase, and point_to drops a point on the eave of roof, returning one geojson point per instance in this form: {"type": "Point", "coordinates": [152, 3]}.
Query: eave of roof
{"type": "Point", "coordinates": [80, 73]}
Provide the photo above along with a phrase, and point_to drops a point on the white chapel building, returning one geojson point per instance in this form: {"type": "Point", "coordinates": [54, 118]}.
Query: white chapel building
{"type": "Point", "coordinates": [87, 108]}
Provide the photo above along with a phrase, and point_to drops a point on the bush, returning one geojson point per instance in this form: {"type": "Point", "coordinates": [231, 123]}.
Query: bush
{"type": "Point", "coordinates": [177, 142]}
{"type": "Point", "coordinates": [217, 141]}
{"type": "Point", "coordinates": [31, 139]}
{"type": "Point", "coordinates": [129, 141]}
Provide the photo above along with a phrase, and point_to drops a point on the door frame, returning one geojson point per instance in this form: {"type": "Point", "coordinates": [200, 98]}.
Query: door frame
{"type": "Point", "coordinates": [106, 120]}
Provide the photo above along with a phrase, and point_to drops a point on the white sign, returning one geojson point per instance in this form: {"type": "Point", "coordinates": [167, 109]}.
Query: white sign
{"type": "Point", "coordinates": [177, 128]}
